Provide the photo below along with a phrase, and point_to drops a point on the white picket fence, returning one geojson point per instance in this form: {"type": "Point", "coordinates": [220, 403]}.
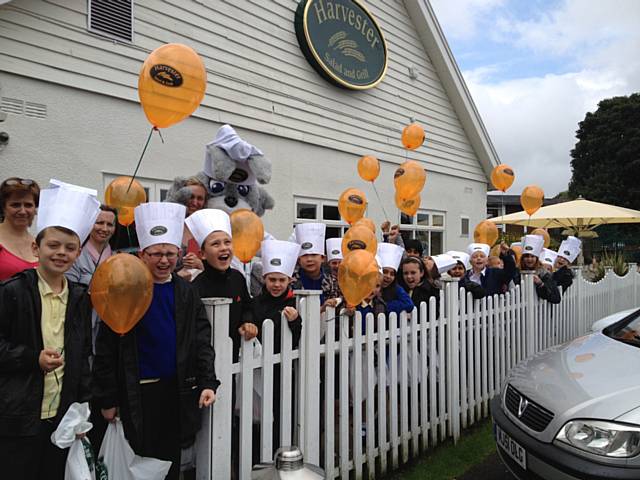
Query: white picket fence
{"type": "Point", "coordinates": [361, 404]}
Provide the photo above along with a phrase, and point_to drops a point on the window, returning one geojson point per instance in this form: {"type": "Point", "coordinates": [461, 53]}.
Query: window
{"type": "Point", "coordinates": [464, 226]}
{"type": "Point", "coordinates": [324, 211]}
{"type": "Point", "coordinates": [111, 18]}
{"type": "Point", "coordinates": [427, 227]}
{"type": "Point", "coordinates": [155, 189]}
{"type": "Point", "coordinates": [493, 212]}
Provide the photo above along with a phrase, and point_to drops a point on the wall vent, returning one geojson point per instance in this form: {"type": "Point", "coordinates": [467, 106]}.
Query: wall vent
{"type": "Point", "coordinates": [12, 105]}
{"type": "Point", "coordinates": [111, 18]}
{"type": "Point", "coordinates": [35, 110]}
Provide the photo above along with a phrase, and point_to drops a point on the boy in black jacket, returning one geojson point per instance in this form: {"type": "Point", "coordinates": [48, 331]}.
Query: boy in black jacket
{"type": "Point", "coordinates": [45, 340]}
{"type": "Point", "coordinates": [459, 270]}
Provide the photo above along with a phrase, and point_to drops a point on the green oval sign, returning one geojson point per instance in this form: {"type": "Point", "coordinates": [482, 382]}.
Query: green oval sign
{"type": "Point", "coordinates": [342, 41]}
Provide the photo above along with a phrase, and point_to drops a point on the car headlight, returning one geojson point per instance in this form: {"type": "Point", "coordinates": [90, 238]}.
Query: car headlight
{"type": "Point", "coordinates": [602, 438]}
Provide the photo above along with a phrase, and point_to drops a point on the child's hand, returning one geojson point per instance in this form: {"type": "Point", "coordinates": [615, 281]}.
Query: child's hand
{"type": "Point", "coordinates": [248, 331]}
{"type": "Point", "coordinates": [349, 311]}
{"type": "Point", "coordinates": [290, 313]}
{"type": "Point", "coordinates": [109, 414]}
{"type": "Point", "coordinates": [385, 226]}
{"type": "Point", "coordinates": [49, 360]}
{"type": "Point", "coordinates": [191, 260]}
{"type": "Point", "coordinates": [207, 397]}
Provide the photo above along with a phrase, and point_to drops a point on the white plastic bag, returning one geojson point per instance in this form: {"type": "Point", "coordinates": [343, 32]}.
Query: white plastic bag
{"type": "Point", "coordinates": [122, 463]}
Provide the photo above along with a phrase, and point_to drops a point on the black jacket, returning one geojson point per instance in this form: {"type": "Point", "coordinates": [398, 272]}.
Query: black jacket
{"type": "Point", "coordinates": [548, 290]}
{"type": "Point", "coordinates": [563, 278]}
{"type": "Point", "coordinates": [21, 379]}
{"type": "Point", "coordinates": [422, 293]}
{"type": "Point", "coordinates": [116, 370]}
{"type": "Point", "coordinates": [477, 291]}
{"type": "Point", "coordinates": [212, 283]}
{"type": "Point", "coordinates": [266, 306]}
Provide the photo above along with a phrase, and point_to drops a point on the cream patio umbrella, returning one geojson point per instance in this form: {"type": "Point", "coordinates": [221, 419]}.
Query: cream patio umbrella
{"type": "Point", "coordinates": [578, 215]}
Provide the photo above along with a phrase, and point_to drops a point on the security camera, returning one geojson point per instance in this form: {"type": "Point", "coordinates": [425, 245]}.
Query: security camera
{"type": "Point", "coordinates": [4, 138]}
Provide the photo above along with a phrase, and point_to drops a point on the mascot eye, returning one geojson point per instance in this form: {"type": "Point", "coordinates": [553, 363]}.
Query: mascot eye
{"type": "Point", "coordinates": [216, 187]}
{"type": "Point", "coordinates": [243, 190]}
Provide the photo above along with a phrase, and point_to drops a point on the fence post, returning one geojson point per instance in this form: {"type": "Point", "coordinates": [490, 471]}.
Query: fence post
{"type": "Point", "coordinates": [452, 309]}
{"type": "Point", "coordinates": [610, 278]}
{"type": "Point", "coordinates": [633, 270]}
{"type": "Point", "coordinates": [309, 308]}
{"type": "Point", "coordinates": [213, 443]}
{"type": "Point", "coordinates": [529, 305]}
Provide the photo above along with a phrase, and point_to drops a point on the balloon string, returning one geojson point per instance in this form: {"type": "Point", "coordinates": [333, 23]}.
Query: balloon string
{"type": "Point", "coordinates": [504, 233]}
{"type": "Point", "coordinates": [141, 156]}
{"type": "Point", "coordinates": [386, 217]}
{"type": "Point", "coordinates": [129, 236]}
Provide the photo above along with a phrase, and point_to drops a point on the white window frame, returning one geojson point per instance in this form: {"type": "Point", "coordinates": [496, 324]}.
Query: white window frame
{"type": "Point", "coordinates": [154, 186]}
{"type": "Point", "coordinates": [414, 228]}
{"type": "Point", "coordinates": [319, 204]}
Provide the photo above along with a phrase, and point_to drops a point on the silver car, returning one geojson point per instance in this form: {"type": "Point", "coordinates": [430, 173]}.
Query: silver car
{"type": "Point", "coordinates": [572, 412]}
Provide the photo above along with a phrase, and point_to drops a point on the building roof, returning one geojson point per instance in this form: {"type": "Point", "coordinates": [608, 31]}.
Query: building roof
{"type": "Point", "coordinates": [436, 45]}
{"type": "Point", "coordinates": [510, 200]}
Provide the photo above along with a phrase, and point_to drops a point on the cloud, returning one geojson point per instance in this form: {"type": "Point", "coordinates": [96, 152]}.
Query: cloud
{"type": "Point", "coordinates": [581, 51]}
{"type": "Point", "coordinates": [461, 17]}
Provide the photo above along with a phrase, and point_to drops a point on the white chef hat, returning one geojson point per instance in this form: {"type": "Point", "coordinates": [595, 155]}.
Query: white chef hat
{"type": "Point", "coordinates": [379, 263]}
{"type": "Point", "coordinates": [461, 257]}
{"type": "Point", "coordinates": [533, 245]}
{"type": "Point", "coordinates": [159, 222]}
{"type": "Point", "coordinates": [516, 244]}
{"type": "Point", "coordinates": [53, 183]}
{"type": "Point", "coordinates": [548, 256]}
{"type": "Point", "coordinates": [206, 221]}
{"type": "Point", "coordinates": [444, 262]}
{"type": "Point", "coordinates": [238, 150]}
{"type": "Point", "coordinates": [310, 237]}
{"type": "Point", "coordinates": [390, 255]}
{"type": "Point", "coordinates": [478, 247]}
{"type": "Point", "coordinates": [68, 206]}
{"type": "Point", "coordinates": [570, 248]}
{"type": "Point", "coordinates": [279, 256]}
{"type": "Point", "coordinates": [334, 249]}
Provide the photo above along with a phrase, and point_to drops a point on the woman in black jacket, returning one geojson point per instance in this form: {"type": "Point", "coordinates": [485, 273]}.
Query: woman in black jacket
{"type": "Point", "coordinates": [418, 285]}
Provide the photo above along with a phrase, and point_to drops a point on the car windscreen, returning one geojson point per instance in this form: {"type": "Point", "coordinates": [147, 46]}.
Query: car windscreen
{"type": "Point", "coordinates": [626, 330]}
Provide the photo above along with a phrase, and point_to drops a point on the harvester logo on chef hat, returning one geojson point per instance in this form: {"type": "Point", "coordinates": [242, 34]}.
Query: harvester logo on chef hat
{"type": "Point", "coordinates": [159, 222]}
{"type": "Point", "coordinates": [548, 256]}
{"type": "Point", "coordinates": [533, 245]}
{"type": "Point", "coordinates": [444, 262]}
{"type": "Point", "coordinates": [279, 256]}
{"type": "Point", "coordinates": [570, 248]}
{"type": "Point", "coordinates": [478, 247]}
{"type": "Point", "coordinates": [461, 257]}
{"type": "Point", "coordinates": [70, 206]}
{"type": "Point", "coordinates": [334, 249]}
{"type": "Point", "coordinates": [310, 237]}
{"type": "Point", "coordinates": [390, 255]}
{"type": "Point", "coordinates": [206, 221]}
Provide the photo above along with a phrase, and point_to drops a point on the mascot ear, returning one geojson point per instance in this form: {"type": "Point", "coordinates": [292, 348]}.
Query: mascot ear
{"type": "Point", "coordinates": [261, 168]}
{"type": "Point", "coordinates": [222, 166]}
{"type": "Point", "coordinates": [179, 192]}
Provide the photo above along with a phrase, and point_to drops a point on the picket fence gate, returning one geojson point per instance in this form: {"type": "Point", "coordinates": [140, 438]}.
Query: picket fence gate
{"type": "Point", "coordinates": [360, 402]}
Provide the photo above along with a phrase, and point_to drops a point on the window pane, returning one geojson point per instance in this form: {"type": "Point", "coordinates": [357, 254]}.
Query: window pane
{"type": "Point", "coordinates": [330, 212]}
{"type": "Point", "coordinates": [146, 192]}
{"type": "Point", "coordinates": [333, 232]}
{"type": "Point", "coordinates": [163, 194]}
{"type": "Point", "coordinates": [424, 240]}
{"type": "Point", "coordinates": [438, 220]}
{"type": "Point", "coordinates": [423, 219]}
{"type": "Point", "coordinates": [437, 243]}
{"type": "Point", "coordinates": [406, 219]}
{"type": "Point", "coordinates": [406, 234]}
{"type": "Point", "coordinates": [492, 212]}
{"type": "Point", "coordinates": [306, 210]}
{"type": "Point", "coordinates": [464, 227]}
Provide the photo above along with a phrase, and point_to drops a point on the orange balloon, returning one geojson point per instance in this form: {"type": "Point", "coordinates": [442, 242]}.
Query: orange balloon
{"type": "Point", "coordinates": [543, 233]}
{"type": "Point", "coordinates": [121, 291]}
{"type": "Point", "coordinates": [531, 199]}
{"type": "Point", "coordinates": [352, 204]}
{"type": "Point", "coordinates": [517, 249]}
{"type": "Point", "coordinates": [368, 168]}
{"type": "Point", "coordinates": [247, 234]}
{"type": "Point", "coordinates": [359, 237]}
{"type": "Point", "coordinates": [502, 177]}
{"type": "Point", "coordinates": [486, 232]}
{"type": "Point", "coordinates": [357, 276]}
{"type": "Point", "coordinates": [118, 193]}
{"type": "Point", "coordinates": [171, 84]}
{"type": "Point", "coordinates": [409, 179]}
{"type": "Point", "coordinates": [408, 205]}
{"type": "Point", "coordinates": [412, 136]}
{"type": "Point", "coordinates": [125, 216]}
{"type": "Point", "coordinates": [367, 222]}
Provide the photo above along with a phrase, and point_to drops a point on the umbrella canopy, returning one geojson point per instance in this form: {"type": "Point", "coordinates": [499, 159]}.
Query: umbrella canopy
{"type": "Point", "coordinates": [579, 215]}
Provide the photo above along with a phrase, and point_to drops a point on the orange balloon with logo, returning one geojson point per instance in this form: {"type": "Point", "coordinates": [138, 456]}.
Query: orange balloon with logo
{"type": "Point", "coordinates": [125, 216]}
{"type": "Point", "coordinates": [367, 222]}
{"type": "Point", "coordinates": [359, 237]}
{"type": "Point", "coordinates": [171, 84]}
{"type": "Point", "coordinates": [357, 276]}
{"type": "Point", "coordinates": [247, 234]}
{"type": "Point", "coordinates": [409, 179]}
{"type": "Point", "coordinates": [502, 177]}
{"type": "Point", "coordinates": [352, 205]}
{"type": "Point", "coordinates": [544, 234]}
{"type": "Point", "coordinates": [121, 291]}
{"type": "Point", "coordinates": [531, 199]}
{"type": "Point", "coordinates": [413, 136]}
{"type": "Point", "coordinates": [121, 192]}
{"type": "Point", "coordinates": [407, 205]}
{"type": "Point", "coordinates": [368, 168]}
{"type": "Point", "coordinates": [486, 232]}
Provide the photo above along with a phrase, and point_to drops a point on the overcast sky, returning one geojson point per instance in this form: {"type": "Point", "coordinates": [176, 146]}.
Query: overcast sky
{"type": "Point", "coordinates": [536, 67]}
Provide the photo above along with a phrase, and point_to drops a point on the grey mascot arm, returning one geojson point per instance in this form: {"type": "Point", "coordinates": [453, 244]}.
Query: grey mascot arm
{"type": "Point", "coordinates": [179, 192]}
{"type": "Point", "coordinates": [266, 201]}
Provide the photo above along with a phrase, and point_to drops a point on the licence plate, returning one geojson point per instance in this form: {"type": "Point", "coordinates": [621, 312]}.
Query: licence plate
{"type": "Point", "coordinates": [511, 447]}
